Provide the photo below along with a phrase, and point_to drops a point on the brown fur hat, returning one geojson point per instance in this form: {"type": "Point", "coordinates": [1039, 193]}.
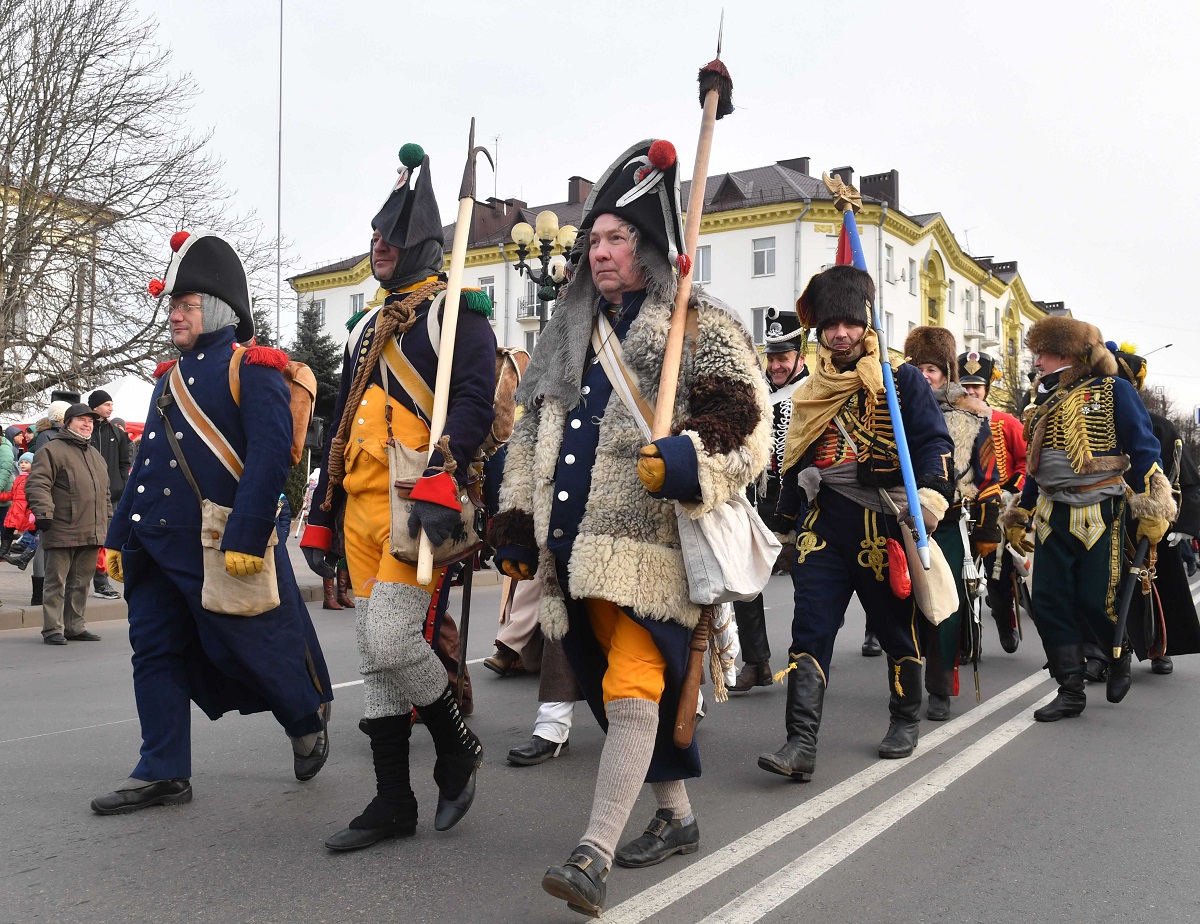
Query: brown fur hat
{"type": "Point", "coordinates": [929, 344]}
{"type": "Point", "coordinates": [840, 293]}
{"type": "Point", "coordinates": [1081, 341]}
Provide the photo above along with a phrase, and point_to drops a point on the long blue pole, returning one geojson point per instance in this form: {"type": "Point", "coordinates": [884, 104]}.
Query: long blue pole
{"type": "Point", "coordinates": [889, 387]}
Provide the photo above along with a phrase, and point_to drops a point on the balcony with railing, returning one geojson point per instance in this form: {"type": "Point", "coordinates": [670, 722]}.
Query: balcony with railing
{"type": "Point", "coordinates": [976, 330]}
{"type": "Point", "coordinates": [530, 308]}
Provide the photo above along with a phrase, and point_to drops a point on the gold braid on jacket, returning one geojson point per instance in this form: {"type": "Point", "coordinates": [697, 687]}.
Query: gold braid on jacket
{"type": "Point", "coordinates": [394, 318]}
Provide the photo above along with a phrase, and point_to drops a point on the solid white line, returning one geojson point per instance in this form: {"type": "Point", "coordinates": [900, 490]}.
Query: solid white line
{"type": "Point", "coordinates": [652, 900]}
{"type": "Point", "coordinates": [764, 897]}
{"type": "Point", "coordinates": [355, 683]}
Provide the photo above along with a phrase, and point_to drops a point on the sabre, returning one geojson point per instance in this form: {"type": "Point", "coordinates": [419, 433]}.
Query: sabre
{"type": "Point", "coordinates": [1137, 575]}
{"type": "Point", "coordinates": [441, 388]}
{"type": "Point", "coordinates": [847, 199]}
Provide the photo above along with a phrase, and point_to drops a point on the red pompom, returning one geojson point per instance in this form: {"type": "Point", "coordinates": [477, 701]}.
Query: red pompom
{"type": "Point", "coordinates": [684, 262]}
{"type": "Point", "coordinates": [662, 154]}
{"type": "Point", "coordinates": [163, 368]}
{"type": "Point", "coordinates": [156, 287]}
{"type": "Point", "coordinates": [177, 240]}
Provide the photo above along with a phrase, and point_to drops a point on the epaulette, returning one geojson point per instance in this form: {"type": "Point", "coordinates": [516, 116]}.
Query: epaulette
{"type": "Point", "coordinates": [356, 317]}
{"type": "Point", "coordinates": [477, 300]}
{"type": "Point", "coordinates": [266, 356]}
{"type": "Point", "coordinates": [164, 367]}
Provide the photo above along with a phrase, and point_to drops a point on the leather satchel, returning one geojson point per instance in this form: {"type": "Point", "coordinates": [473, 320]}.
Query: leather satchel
{"type": "Point", "coordinates": [728, 552]}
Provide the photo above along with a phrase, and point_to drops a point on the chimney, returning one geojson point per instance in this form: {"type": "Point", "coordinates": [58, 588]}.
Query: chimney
{"type": "Point", "coordinates": [799, 164]}
{"type": "Point", "coordinates": [846, 173]}
{"type": "Point", "coordinates": [578, 189]}
{"type": "Point", "coordinates": [487, 218]}
{"type": "Point", "coordinates": [884, 186]}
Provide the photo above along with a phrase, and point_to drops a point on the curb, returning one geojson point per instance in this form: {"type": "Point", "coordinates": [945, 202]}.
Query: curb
{"type": "Point", "coordinates": [98, 610]}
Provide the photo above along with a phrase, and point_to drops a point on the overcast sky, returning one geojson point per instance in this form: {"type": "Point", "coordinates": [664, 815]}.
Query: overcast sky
{"type": "Point", "coordinates": [1062, 135]}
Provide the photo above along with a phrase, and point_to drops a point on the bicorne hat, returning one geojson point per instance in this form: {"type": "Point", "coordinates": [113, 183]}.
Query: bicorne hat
{"type": "Point", "coordinates": [207, 264]}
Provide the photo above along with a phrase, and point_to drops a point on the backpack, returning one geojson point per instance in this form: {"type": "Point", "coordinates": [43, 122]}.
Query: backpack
{"type": "Point", "coordinates": [300, 381]}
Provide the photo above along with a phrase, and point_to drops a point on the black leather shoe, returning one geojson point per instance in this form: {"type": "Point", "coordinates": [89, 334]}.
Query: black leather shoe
{"type": "Point", "coordinates": [537, 751]}
{"type": "Point", "coordinates": [580, 882]}
{"type": "Point", "coordinates": [1096, 671]}
{"type": "Point", "coordinates": [753, 674]}
{"type": "Point", "coordinates": [939, 708]}
{"type": "Point", "coordinates": [54, 638]}
{"type": "Point", "coordinates": [1163, 665]}
{"type": "Point", "coordinates": [358, 838]}
{"type": "Point", "coordinates": [124, 801]}
{"type": "Point", "coordinates": [663, 837]}
{"type": "Point", "coordinates": [84, 636]}
{"type": "Point", "coordinates": [871, 647]}
{"type": "Point", "coordinates": [1120, 676]}
{"type": "Point", "coordinates": [309, 765]}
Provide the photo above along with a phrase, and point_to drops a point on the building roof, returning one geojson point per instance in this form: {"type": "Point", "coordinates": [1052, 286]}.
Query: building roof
{"type": "Point", "coordinates": [924, 218]}
{"type": "Point", "coordinates": [339, 267]}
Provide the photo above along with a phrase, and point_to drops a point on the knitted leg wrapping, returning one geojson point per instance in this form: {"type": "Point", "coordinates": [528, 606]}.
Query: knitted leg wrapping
{"type": "Point", "coordinates": [673, 797]}
{"type": "Point", "coordinates": [390, 642]}
{"type": "Point", "coordinates": [632, 725]}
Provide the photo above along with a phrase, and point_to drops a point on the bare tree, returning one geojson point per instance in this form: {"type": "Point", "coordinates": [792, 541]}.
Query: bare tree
{"type": "Point", "coordinates": [97, 169]}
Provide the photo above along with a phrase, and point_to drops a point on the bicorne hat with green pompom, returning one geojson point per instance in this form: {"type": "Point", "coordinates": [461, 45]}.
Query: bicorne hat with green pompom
{"type": "Point", "coordinates": [410, 215]}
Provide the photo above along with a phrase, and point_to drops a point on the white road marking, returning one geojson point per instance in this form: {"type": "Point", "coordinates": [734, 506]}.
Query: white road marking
{"type": "Point", "coordinates": [355, 683]}
{"type": "Point", "coordinates": [652, 900]}
{"type": "Point", "coordinates": [765, 896]}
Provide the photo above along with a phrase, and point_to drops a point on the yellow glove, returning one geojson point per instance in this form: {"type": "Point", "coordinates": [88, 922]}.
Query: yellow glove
{"type": "Point", "coordinates": [652, 470]}
{"type": "Point", "coordinates": [239, 564]}
{"type": "Point", "coordinates": [1152, 528]}
{"type": "Point", "coordinates": [114, 565]}
{"type": "Point", "coordinates": [517, 570]}
{"type": "Point", "coordinates": [1018, 538]}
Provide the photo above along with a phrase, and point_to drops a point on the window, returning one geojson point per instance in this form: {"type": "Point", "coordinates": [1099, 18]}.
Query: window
{"type": "Point", "coordinates": [912, 277]}
{"type": "Point", "coordinates": [950, 298]}
{"type": "Point", "coordinates": [488, 285]}
{"type": "Point", "coordinates": [704, 264]}
{"type": "Point", "coordinates": [764, 256]}
{"type": "Point", "coordinates": [319, 305]}
{"type": "Point", "coordinates": [356, 303]}
{"type": "Point", "coordinates": [911, 325]}
{"type": "Point", "coordinates": [889, 322]}
{"type": "Point", "coordinates": [760, 319]}
{"type": "Point", "coordinates": [996, 318]}
{"type": "Point", "coordinates": [530, 341]}
{"type": "Point", "coordinates": [889, 263]}
{"type": "Point", "coordinates": [969, 301]}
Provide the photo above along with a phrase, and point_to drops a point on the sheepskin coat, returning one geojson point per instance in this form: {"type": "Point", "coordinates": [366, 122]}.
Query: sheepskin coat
{"type": "Point", "coordinates": [627, 547]}
{"type": "Point", "coordinates": [975, 475]}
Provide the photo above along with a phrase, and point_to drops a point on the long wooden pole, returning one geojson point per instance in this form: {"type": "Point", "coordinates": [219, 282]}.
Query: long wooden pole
{"type": "Point", "coordinates": [668, 382]}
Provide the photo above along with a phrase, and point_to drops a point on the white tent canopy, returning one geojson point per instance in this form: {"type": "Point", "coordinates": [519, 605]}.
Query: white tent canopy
{"type": "Point", "coordinates": [131, 397]}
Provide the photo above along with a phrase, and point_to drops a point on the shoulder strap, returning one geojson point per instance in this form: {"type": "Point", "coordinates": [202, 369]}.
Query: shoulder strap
{"type": "Point", "coordinates": [613, 364]}
{"type": "Point", "coordinates": [202, 425]}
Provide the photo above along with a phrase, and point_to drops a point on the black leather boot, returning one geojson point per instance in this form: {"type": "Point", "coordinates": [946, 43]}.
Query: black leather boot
{"type": "Point", "coordinates": [753, 674]}
{"type": "Point", "coordinates": [1005, 627]}
{"type": "Point", "coordinates": [459, 756]}
{"type": "Point", "coordinates": [1066, 664]}
{"type": "Point", "coordinates": [36, 598]}
{"type": "Point", "coordinates": [1163, 665]}
{"type": "Point", "coordinates": [870, 646]}
{"type": "Point", "coordinates": [802, 719]}
{"type": "Point", "coordinates": [1120, 675]}
{"type": "Point", "coordinates": [904, 680]}
{"type": "Point", "coordinates": [393, 811]}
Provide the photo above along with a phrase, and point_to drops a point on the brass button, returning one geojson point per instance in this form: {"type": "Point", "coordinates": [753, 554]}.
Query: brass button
{"type": "Point", "coordinates": [216, 535]}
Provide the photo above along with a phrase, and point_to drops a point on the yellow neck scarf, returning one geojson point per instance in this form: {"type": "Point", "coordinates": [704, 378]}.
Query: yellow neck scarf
{"type": "Point", "coordinates": [822, 394]}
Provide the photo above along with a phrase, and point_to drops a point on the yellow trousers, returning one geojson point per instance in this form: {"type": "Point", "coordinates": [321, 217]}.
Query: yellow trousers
{"type": "Point", "coordinates": [636, 668]}
{"type": "Point", "coordinates": [368, 485]}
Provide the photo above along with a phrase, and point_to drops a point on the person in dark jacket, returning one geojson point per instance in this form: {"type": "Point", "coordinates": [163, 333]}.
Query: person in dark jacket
{"type": "Point", "coordinates": [68, 493]}
{"type": "Point", "coordinates": [114, 446]}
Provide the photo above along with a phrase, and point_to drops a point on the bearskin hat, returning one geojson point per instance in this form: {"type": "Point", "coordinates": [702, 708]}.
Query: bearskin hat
{"type": "Point", "coordinates": [839, 293]}
{"type": "Point", "coordinates": [1131, 367]}
{"type": "Point", "coordinates": [929, 344]}
{"type": "Point", "coordinates": [1081, 342]}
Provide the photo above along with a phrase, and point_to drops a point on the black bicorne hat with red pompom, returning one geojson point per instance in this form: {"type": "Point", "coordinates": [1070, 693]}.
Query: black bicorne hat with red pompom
{"type": "Point", "coordinates": [642, 187]}
{"type": "Point", "coordinates": [207, 264]}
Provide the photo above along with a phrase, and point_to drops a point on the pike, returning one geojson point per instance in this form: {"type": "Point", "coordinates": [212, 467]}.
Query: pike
{"type": "Point", "coordinates": [441, 388]}
{"type": "Point", "coordinates": [848, 201]}
{"type": "Point", "coordinates": [716, 100]}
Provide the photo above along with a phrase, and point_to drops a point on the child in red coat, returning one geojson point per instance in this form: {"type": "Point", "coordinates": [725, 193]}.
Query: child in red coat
{"type": "Point", "coordinates": [20, 517]}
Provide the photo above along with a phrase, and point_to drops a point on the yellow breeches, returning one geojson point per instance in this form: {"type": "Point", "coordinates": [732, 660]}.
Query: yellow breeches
{"type": "Point", "coordinates": [368, 484]}
{"type": "Point", "coordinates": [636, 668]}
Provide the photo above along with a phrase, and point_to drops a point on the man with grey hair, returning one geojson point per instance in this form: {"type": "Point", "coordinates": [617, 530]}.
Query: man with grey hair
{"type": "Point", "coordinates": [206, 443]}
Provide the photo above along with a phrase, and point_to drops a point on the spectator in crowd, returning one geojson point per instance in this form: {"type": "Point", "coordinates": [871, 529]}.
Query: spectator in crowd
{"type": "Point", "coordinates": [69, 494]}
{"type": "Point", "coordinates": [50, 424]}
{"type": "Point", "coordinates": [8, 470]}
{"type": "Point", "coordinates": [18, 518]}
{"type": "Point", "coordinates": [114, 447]}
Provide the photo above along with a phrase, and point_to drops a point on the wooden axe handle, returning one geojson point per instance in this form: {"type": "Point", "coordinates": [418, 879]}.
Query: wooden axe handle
{"type": "Point", "coordinates": [685, 719]}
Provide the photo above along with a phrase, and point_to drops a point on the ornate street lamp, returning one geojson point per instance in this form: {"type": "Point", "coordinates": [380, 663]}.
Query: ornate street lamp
{"type": "Point", "coordinates": [552, 275]}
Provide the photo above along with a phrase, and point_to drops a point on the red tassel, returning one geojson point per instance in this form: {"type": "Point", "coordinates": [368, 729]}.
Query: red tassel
{"type": "Point", "coordinates": [685, 264]}
{"type": "Point", "coordinates": [163, 368]}
{"type": "Point", "coordinates": [266, 356]}
{"type": "Point", "coordinates": [156, 287]}
{"type": "Point", "coordinates": [898, 576]}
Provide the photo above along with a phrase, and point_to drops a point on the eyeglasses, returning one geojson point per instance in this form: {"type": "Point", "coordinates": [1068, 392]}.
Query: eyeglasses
{"type": "Point", "coordinates": [186, 306]}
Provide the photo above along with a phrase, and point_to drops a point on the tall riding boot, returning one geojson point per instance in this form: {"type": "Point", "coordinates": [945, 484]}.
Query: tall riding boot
{"type": "Point", "coordinates": [802, 719]}
{"type": "Point", "coordinates": [1006, 628]}
{"type": "Point", "coordinates": [904, 679]}
{"type": "Point", "coordinates": [36, 598]}
{"type": "Point", "coordinates": [331, 602]}
{"type": "Point", "coordinates": [393, 811]}
{"type": "Point", "coordinates": [1120, 675]}
{"type": "Point", "coordinates": [1066, 665]}
{"type": "Point", "coordinates": [459, 756]}
{"type": "Point", "coordinates": [345, 593]}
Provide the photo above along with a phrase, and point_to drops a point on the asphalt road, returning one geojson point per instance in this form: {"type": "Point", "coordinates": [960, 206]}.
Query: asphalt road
{"type": "Point", "coordinates": [995, 819]}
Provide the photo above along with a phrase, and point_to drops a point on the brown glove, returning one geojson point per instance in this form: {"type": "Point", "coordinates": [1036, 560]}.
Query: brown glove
{"type": "Point", "coordinates": [652, 470]}
{"type": "Point", "coordinates": [517, 570]}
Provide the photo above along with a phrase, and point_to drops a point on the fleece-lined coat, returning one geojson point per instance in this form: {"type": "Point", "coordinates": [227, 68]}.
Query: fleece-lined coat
{"type": "Point", "coordinates": [975, 476]}
{"type": "Point", "coordinates": [627, 547]}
